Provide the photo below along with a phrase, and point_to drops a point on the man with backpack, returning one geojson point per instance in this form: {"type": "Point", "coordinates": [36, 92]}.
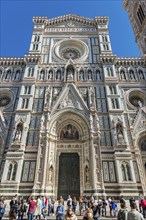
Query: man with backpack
{"type": "Point", "coordinates": [123, 212]}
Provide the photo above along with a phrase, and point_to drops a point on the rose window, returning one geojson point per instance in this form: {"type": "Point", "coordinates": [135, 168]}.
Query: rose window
{"type": "Point", "coordinates": [70, 53]}
{"type": "Point", "coordinates": [136, 101]}
{"type": "Point", "coordinates": [4, 100]}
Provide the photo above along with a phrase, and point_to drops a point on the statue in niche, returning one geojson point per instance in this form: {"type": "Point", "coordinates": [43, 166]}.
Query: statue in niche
{"type": "Point", "coordinates": [42, 74]}
{"type": "Point", "coordinates": [122, 74]}
{"type": "Point", "coordinates": [89, 74]}
{"type": "Point", "coordinates": [50, 174]}
{"type": "Point", "coordinates": [18, 133]}
{"type": "Point", "coordinates": [50, 75]}
{"type": "Point", "coordinates": [140, 104]}
{"type": "Point", "coordinates": [81, 75]}
{"type": "Point", "coordinates": [58, 75]}
{"type": "Point", "coordinates": [70, 73]}
{"type": "Point", "coordinates": [17, 76]}
{"type": "Point", "coordinates": [119, 130]}
{"type": "Point", "coordinates": [48, 96]}
{"type": "Point", "coordinates": [91, 96]}
{"type": "Point", "coordinates": [43, 121]}
{"type": "Point", "coordinates": [86, 174]}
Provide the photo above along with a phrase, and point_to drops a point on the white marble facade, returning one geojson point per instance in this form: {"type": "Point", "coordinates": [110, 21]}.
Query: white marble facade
{"type": "Point", "coordinates": [71, 94]}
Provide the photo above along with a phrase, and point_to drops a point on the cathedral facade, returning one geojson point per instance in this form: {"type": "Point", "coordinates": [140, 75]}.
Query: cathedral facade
{"type": "Point", "coordinates": [72, 114]}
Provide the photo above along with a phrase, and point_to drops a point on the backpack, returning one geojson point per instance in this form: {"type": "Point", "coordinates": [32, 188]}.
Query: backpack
{"type": "Point", "coordinates": [68, 203]}
{"type": "Point", "coordinates": [121, 215]}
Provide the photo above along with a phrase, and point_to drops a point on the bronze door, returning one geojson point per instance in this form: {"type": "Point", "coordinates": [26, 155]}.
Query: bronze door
{"type": "Point", "coordinates": [69, 175]}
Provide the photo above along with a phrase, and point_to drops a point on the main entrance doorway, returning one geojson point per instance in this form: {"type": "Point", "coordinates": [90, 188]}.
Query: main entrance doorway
{"type": "Point", "coordinates": [69, 175]}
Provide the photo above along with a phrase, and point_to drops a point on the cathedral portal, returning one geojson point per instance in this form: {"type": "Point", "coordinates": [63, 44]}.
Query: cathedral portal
{"type": "Point", "coordinates": [69, 175]}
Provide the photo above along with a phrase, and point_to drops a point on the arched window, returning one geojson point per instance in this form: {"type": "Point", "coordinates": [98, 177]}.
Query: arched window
{"type": "Point", "coordinates": [109, 71]}
{"type": "Point", "coordinates": [8, 75]}
{"type": "Point", "coordinates": [126, 172]}
{"type": "Point", "coordinates": [17, 75]}
{"type": "Point", "coordinates": [30, 71]}
{"type": "Point", "coordinates": [132, 75]}
{"type": "Point", "coordinates": [1, 74]}
{"type": "Point", "coordinates": [123, 172]}
{"type": "Point", "coordinates": [141, 74]}
{"type": "Point", "coordinates": [9, 172]}
{"type": "Point", "coordinates": [12, 171]}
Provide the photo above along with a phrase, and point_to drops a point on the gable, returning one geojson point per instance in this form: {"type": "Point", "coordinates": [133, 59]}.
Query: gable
{"type": "Point", "coordinates": [70, 97]}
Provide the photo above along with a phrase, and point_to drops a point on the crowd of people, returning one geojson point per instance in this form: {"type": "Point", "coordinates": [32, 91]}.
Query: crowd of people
{"type": "Point", "coordinates": [34, 208]}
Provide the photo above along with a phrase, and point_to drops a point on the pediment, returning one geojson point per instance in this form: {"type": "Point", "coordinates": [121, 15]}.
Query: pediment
{"type": "Point", "coordinates": [70, 97]}
{"type": "Point", "coordinates": [70, 21]}
{"type": "Point", "coordinates": [140, 121]}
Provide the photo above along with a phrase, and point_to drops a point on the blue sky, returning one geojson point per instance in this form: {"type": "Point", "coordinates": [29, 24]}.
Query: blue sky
{"type": "Point", "coordinates": [16, 22]}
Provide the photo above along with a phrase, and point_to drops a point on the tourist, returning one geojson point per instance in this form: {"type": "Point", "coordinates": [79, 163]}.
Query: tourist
{"type": "Point", "coordinates": [38, 208]}
{"type": "Point", "coordinates": [13, 209]}
{"type": "Point", "coordinates": [92, 198]}
{"type": "Point", "coordinates": [69, 202]}
{"type": "Point", "coordinates": [88, 214]}
{"type": "Point", "coordinates": [62, 200]}
{"type": "Point", "coordinates": [133, 214]}
{"type": "Point", "coordinates": [74, 204]}
{"type": "Point", "coordinates": [139, 202]}
{"type": "Point", "coordinates": [21, 208]}
{"type": "Point", "coordinates": [131, 200]}
{"type": "Point", "coordinates": [143, 204]}
{"type": "Point", "coordinates": [122, 200]}
{"type": "Point", "coordinates": [100, 203]}
{"type": "Point", "coordinates": [114, 206]}
{"type": "Point", "coordinates": [104, 204]}
{"type": "Point", "coordinates": [110, 205]}
{"type": "Point", "coordinates": [123, 212]}
{"type": "Point", "coordinates": [53, 204]}
{"type": "Point", "coordinates": [85, 201]}
{"type": "Point", "coordinates": [70, 215]}
{"type": "Point", "coordinates": [31, 207]}
{"type": "Point", "coordinates": [60, 211]}
{"type": "Point", "coordinates": [49, 206]}
{"type": "Point", "coordinates": [96, 210]}
{"type": "Point", "coordinates": [81, 205]}
{"type": "Point", "coordinates": [43, 206]}
{"type": "Point", "coordinates": [2, 207]}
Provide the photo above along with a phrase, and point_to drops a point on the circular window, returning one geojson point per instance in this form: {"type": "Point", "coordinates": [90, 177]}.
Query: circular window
{"type": "Point", "coordinates": [70, 53]}
{"type": "Point", "coordinates": [136, 98]}
{"type": "Point", "coordinates": [136, 101]}
{"type": "Point", "coordinates": [71, 49]}
{"type": "Point", "coordinates": [4, 100]}
{"type": "Point", "coordinates": [142, 144]}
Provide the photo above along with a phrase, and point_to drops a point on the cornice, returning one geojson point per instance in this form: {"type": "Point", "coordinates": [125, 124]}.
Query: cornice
{"type": "Point", "coordinates": [130, 61]}
{"type": "Point", "coordinates": [110, 58]}
{"type": "Point", "coordinates": [103, 20]}
{"type": "Point", "coordinates": [12, 61]}
{"type": "Point", "coordinates": [32, 58]}
{"type": "Point", "coordinates": [70, 17]}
